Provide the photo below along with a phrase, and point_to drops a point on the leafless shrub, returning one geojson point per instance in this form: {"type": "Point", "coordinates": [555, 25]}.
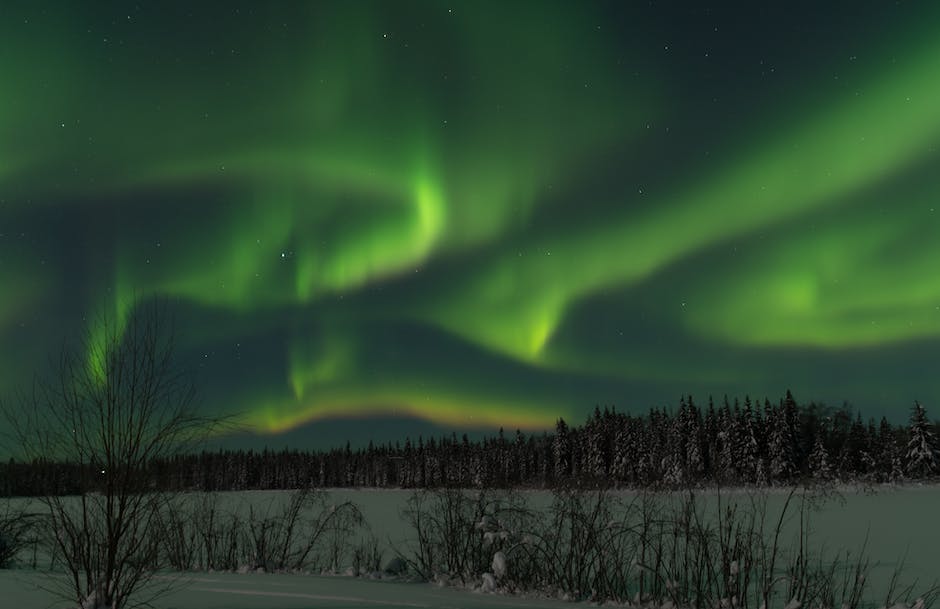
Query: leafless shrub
{"type": "Point", "coordinates": [647, 549]}
{"type": "Point", "coordinates": [367, 556]}
{"type": "Point", "coordinates": [458, 531]}
{"type": "Point", "coordinates": [305, 532]}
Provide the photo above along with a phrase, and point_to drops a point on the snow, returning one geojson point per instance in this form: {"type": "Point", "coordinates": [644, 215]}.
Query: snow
{"type": "Point", "coordinates": [895, 520]}
{"type": "Point", "coordinates": [499, 565]}
{"type": "Point", "coordinates": [20, 590]}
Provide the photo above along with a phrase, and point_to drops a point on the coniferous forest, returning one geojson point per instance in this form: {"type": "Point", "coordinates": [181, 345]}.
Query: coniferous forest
{"type": "Point", "coordinates": [731, 443]}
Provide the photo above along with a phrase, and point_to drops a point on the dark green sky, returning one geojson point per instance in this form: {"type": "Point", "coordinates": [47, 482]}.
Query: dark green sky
{"type": "Point", "coordinates": [376, 217]}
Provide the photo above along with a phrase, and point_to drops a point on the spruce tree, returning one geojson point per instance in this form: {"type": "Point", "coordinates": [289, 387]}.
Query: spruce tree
{"type": "Point", "coordinates": [819, 465]}
{"type": "Point", "coordinates": [922, 458]}
{"type": "Point", "coordinates": [561, 451]}
{"type": "Point", "coordinates": [781, 444]}
{"type": "Point", "coordinates": [621, 460]}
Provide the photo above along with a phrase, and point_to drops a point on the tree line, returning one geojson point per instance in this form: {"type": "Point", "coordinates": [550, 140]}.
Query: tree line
{"type": "Point", "coordinates": [740, 443]}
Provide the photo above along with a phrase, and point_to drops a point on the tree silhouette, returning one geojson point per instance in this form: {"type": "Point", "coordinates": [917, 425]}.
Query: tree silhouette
{"type": "Point", "coordinates": [922, 458]}
{"type": "Point", "coordinates": [116, 403]}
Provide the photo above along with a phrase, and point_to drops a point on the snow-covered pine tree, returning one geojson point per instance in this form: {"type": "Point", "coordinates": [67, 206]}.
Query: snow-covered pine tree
{"type": "Point", "coordinates": [725, 444]}
{"type": "Point", "coordinates": [887, 450]}
{"type": "Point", "coordinates": [673, 460]}
{"type": "Point", "coordinates": [673, 471]}
{"type": "Point", "coordinates": [477, 468]}
{"type": "Point", "coordinates": [781, 445]}
{"type": "Point", "coordinates": [621, 466]}
{"type": "Point", "coordinates": [546, 465]}
{"type": "Point", "coordinates": [504, 461]}
{"type": "Point", "coordinates": [856, 448]}
{"type": "Point", "coordinates": [645, 470]}
{"type": "Point", "coordinates": [871, 453]}
{"type": "Point", "coordinates": [635, 448]}
{"type": "Point", "coordinates": [820, 467]}
{"type": "Point", "coordinates": [922, 459]}
{"type": "Point", "coordinates": [520, 473]}
{"type": "Point", "coordinates": [596, 466]}
{"type": "Point", "coordinates": [747, 450]}
{"type": "Point", "coordinates": [654, 450]}
{"type": "Point", "coordinates": [406, 472]}
{"type": "Point", "coordinates": [561, 450]}
{"type": "Point", "coordinates": [710, 441]}
{"type": "Point", "coordinates": [432, 465]}
{"type": "Point", "coordinates": [692, 437]}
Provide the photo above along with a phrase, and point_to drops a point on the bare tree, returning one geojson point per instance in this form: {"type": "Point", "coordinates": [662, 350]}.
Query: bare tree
{"type": "Point", "coordinates": [115, 402]}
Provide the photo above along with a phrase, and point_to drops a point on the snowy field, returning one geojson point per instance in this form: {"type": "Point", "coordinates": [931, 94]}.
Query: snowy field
{"type": "Point", "coordinates": [19, 590]}
{"type": "Point", "coordinates": [890, 525]}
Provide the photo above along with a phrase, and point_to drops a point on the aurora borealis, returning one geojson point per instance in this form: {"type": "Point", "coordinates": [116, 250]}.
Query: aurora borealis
{"type": "Point", "coordinates": [374, 215]}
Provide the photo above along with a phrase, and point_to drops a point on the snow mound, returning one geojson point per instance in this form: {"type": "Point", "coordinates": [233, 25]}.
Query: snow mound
{"type": "Point", "coordinates": [499, 565]}
{"type": "Point", "coordinates": [442, 580]}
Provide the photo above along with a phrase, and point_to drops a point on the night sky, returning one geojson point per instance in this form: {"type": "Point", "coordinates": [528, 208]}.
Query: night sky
{"type": "Point", "coordinates": [373, 219]}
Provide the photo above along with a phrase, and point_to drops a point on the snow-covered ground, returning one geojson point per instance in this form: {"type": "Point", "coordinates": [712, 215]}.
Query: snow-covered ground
{"type": "Point", "coordinates": [21, 590]}
{"type": "Point", "coordinates": [891, 525]}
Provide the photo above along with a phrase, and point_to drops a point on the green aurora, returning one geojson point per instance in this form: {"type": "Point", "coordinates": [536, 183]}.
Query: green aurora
{"type": "Point", "coordinates": [478, 214]}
